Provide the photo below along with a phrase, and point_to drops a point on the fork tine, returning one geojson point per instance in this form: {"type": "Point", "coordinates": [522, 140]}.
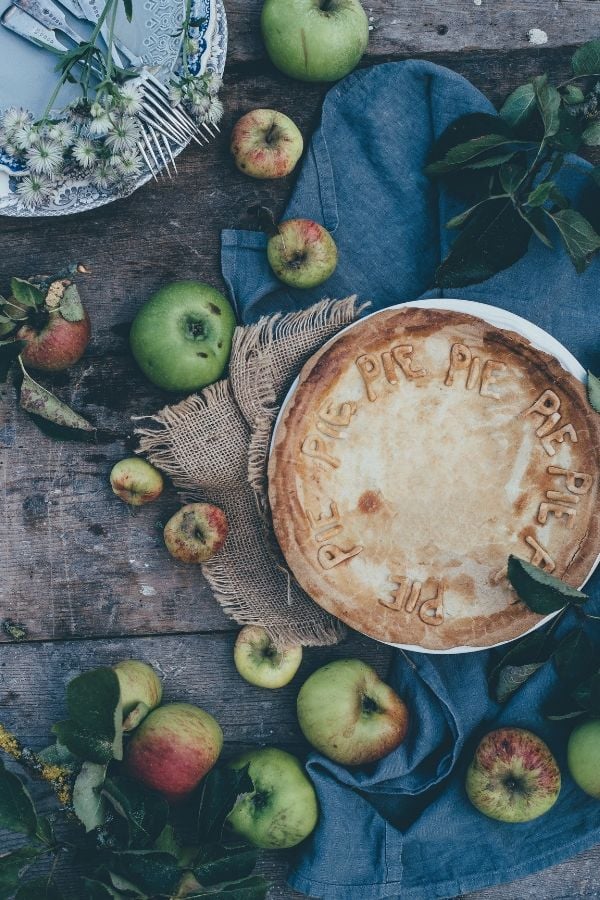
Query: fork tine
{"type": "Point", "coordinates": [162, 155]}
{"type": "Point", "coordinates": [174, 113]}
{"type": "Point", "coordinates": [144, 156]}
{"type": "Point", "coordinates": [167, 119]}
{"type": "Point", "coordinates": [170, 152]}
{"type": "Point", "coordinates": [152, 153]}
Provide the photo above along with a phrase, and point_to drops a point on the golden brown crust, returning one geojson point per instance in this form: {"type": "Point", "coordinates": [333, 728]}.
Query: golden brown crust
{"type": "Point", "coordinates": [431, 445]}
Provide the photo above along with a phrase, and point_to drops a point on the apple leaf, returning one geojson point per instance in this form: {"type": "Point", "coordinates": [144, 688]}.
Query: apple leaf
{"type": "Point", "coordinates": [83, 743]}
{"type": "Point", "coordinates": [593, 391]}
{"type": "Point", "coordinates": [167, 842]}
{"type": "Point", "coordinates": [150, 871]}
{"type": "Point", "coordinates": [253, 888]}
{"type": "Point", "coordinates": [36, 400]}
{"type": "Point", "coordinates": [548, 102]}
{"type": "Point", "coordinates": [97, 890]}
{"type": "Point", "coordinates": [519, 106]}
{"type": "Point", "coordinates": [94, 731]}
{"type": "Point", "coordinates": [13, 864]}
{"type": "Point", "coordinates": [145, 811]}
{"type": "Point", "coordinates": [224, 862]}
{"type": "Point", "coordinates": [87, 800]}
{"type": "Point", "coordinates": [17, 812]}
{"type": "Point", "coordinates": [586, 60]}
{"type": "Point", "coordinates": [26, 293]}
{"type": "Point", "coordinates": [518, 664]}
{"type": "Point", "coordinates": [8, 354]}
{"type": "Point", "coordinates": [71, 307]}
{"type": "Point", "coordinates": [467, 152]}
{"type": "Point", "coordinates": [42, 888]}
{"type": "Point", "coordinates": [578, 236]}
{"type": "Point", "coordinates": [59, 755]}
{"type": "Point", "coordinates": [542, 593]}
{"type": "Point", "coordinates": [220, 791]}
{"type": "Point", "coordinates": [575, 658]}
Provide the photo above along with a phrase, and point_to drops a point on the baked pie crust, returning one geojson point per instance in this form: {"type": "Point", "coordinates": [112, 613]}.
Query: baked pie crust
{"type": "Point", "coordinates": [419, 449]}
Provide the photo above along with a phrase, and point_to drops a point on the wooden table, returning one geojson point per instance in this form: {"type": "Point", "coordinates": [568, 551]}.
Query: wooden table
{"type": "Point", "coordinates": [90, 580]}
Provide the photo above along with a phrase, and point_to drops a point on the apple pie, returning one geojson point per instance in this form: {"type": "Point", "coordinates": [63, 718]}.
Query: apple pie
{"type": "Point", "coordinates": [418, 450]}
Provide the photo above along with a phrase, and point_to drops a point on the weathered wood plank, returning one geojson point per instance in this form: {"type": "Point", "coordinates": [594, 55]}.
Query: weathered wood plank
{"type": "Point", "coordinates": [440, 26]}
{"type": "Point", "coordinates": [75, 561]}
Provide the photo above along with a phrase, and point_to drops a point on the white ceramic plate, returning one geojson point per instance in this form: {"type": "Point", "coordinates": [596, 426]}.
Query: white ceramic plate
{"type": "Point", "coordinates": [500, 318]}
{"type": "Point", "coordinates": [27, 77]}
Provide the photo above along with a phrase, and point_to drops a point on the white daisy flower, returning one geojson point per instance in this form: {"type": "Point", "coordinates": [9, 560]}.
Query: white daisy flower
{"type": "Point", "coordinates": [14, 119]}
{"type": "Point", "coordinates": [24, 138]}
{"type": "Point", "coordinates": [130, 98]}
{"type": "Point", "coordinates": [128, 164]}
{"type": "Point", "coordinates": [84, 152]}
{"type": "Point", "coordinates": [62, 133]}
{"type": "Point", "coordinates": [213, 82]}
{"type": "Point", "coordinates": [200, 104]}
{"type": "Point", "coordinates": [34, 190]}
{"type": "Point", "coordinates": [45, 157]}
{"type": "Point", "coordinates": [175, 93]}
{"type": "Point", "coordinates": [104, 175]}
{"type": "Point", "coordinates": [123, 135]}
{"type": "Point", "coordinates": [99, 126]}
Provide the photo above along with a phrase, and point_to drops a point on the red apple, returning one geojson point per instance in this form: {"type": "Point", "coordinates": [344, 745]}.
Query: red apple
{"type": "Point", "coordinates": [196, 532]}
{"type": "Point", "coordinates": [56, 331]}
{"type": "Point", "coordinates": [135, 481]}
{"type": "Point", "coordinates": [302, 253]}
{"type": "Point", "coordinates": [266, 144]}
{"type": "Point", "coordinates": [173, 749]}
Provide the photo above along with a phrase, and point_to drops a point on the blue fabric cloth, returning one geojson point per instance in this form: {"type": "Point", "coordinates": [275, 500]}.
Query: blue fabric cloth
{"type": "Point", "coordinates": [404, 827]}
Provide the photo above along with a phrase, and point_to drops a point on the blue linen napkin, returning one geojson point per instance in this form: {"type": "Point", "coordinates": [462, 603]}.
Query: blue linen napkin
{"type": "Point", "coordinates": [404, 827]}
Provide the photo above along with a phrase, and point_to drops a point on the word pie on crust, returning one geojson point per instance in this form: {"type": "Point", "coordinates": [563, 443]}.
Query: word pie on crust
{"type": "Point", "coordinates": [419, 449]}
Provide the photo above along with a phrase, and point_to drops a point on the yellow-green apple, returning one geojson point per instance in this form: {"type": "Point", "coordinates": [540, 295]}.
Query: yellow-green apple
{"type": "Point", "coordinates": [181, 337]}
{"type": "Point", "coordinates": [583, 756]}
{"type": "Point", "coordinates": [261, 662]}
{"type": "Point", "coordinates": [282, 809]}
{"type": "Point", "coordinates": [141, 690]}
{"type": "Point", "coordinates": [135, 481]}
{"type": "Point", "coordinates": [54, 335]}
{"type": "Point", "coordinates": [315, 40]}
{"type": "Point", "coordinates": [302, 253]}
{"type": "Point", "coordinates": [266, 144]}
{"type": "Point", "coordinates": [196, 532]}
{"type": "Point", "coordinates": [349, 714]}
{"type": "Point", "coordinates": [173, 749]}
{"type": "Point", "coordinates": [513, 776]}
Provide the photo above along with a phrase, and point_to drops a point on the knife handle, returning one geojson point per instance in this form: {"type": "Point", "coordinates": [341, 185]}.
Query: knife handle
{"type": "Point", "coordinates": [22, 24]}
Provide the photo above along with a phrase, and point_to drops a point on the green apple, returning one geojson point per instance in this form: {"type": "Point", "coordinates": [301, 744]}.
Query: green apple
{"type": "Point", "coordinates": [583, 757]}
{"type": "Point", "coordinates": [282, 809]}
{"type": "Point", "coordinates": [181, 337]}
{"type": "Point", "coordinates": [135, 481]}
{"type": "Point", "coordinates": [141, 690]}
{"type": "Point", "coordinates": [315, 40]}
{"type": "Point", "coordinates": [261, 662]}
{"type": "Point", "coordinates": [349, 714]}
{"type": "Point", "coordinates": [513, 776]}
{"type": "Point", "coordinates": [302, 253]}
{"type": "Point", "coordinates": [266, 144]}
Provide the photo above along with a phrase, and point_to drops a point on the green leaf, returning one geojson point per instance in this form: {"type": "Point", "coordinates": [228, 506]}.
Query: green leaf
{"type": "Point", "coordinates": [83, 743]}
{"type": "Point", "coordinates": [8, 355]}
{"type": "Point", "coordinates": [71, 307]}
{"type": "Point", "coordinates": [562, 708]}
{"type": "Point", "coordinates": [511, 176]}
{"type": "Point", "coordinates": [145, 811]}
{"type": "Point", "coordinates": [59, 755]}
{"type": "Point", "coordinates": [548, 102]}
{"type": "Point", "coordinates": [97, 890]}
{"type": "Point", "coordinates": [572, 94]}
{"type": "Point", "coordinates": [575, 658]}
{"type": "Point", "coordinates": [36, 400]}
{"type": "Point", "coordinates": [26, 294]}
{"type": "Point", "coordinates": [540, 592]}
{"type": "Point", "coordinates": [17, 812]}
{"type": "Point", "coordinates": [595, 695]}
{"type": "Point", "coordinates": [568, 136]}
{"type": "Point", "coordinates": [12, 865]}
{"type": "Point", "coordinates": [467, 152]}
{"type": "Point", "coordinates": [128, 7]}
{"type": "Point", "coordinates": [595, 175]}
{"type": "Point", "coordinates": [593, 392]}
{"type": "Point", "coordinates": [545, 191]}
{"type": "Point", "coordinates": [42, 888]}
{"type": "Point", "coordinates": [87, 800]}
{"type": "Point", "coordinates": [224, 862]}
{"type": "Point", "coordinates": [254, 888]}
{"type": "Point", "coordinates": [586, 60]}
{"type": "Point", "coordinates": [591, 135]}
{"type": "Point", "coordinates": [167, 842]}
{"type": "Point", "coordinates": [496, 159]}
{"type": "Point", "coordinates": [94, 704]}
{"type": "Point", "coordinates": [220, 791]}
{"type": "Point", "coordinates": [518, 664]}
{"type": "Point", "coordinates": [519, 106]}
{"type": "Point", "coordinates": [494, 238]}
{"type": "Point", "coordinates": [511, 678]}
{"type": "Point", "coordinates": [536, 220]}
{"type": "Point", "coordinates": [578, 236]}
{"type": "Point", "coordinates": [459, 220]}
{"type": "Point", "coordinates": [150, 871]}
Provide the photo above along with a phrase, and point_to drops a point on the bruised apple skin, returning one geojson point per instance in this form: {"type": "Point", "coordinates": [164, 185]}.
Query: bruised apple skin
{"type": "Point", "coordinates": [350, 715]}
{"type": "Point", "coordinates": [196, 532]}
{"type": "Point", "coordinates": [173, 749]}
{"type": "Point", "coordinates": [513, 776]}
{"type": "Point", "coordinates": [266, 144]}
{"type": "Point", "coordinates": [141, 690]}
{"type": "Point", "coordinates": [135, 481]}
{"type": "Point", "coordinates": [302, 254]}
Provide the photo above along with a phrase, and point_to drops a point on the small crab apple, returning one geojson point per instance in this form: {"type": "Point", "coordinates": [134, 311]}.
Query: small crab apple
{"type": "Point", "coordinates": [266, 144]}
{"type": "Point", "coordinates": [196, 532]}
{"type": "Point", "coordinates": [513, 776]}
{"type": "Point", "coordinates": [173, 749]}
{"type": "Point", "coordinates": [53, 326]}
{"type": "Point", "coordinates": [141, 690]}
{"type": "Point", "coordinates": [260, 662]}
{"type": "Point", "coordinates": [302, 253]}
{"type": "Point", "coordinates": [135, 481]}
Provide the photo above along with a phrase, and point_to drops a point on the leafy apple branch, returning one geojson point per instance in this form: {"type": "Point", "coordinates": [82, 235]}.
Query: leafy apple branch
{"type": "Point", "coordinates": [508, 166]}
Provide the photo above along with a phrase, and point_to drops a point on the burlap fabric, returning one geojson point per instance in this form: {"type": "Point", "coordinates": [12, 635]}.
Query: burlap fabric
{"type": "Point", "coordinates": [215, 445]}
